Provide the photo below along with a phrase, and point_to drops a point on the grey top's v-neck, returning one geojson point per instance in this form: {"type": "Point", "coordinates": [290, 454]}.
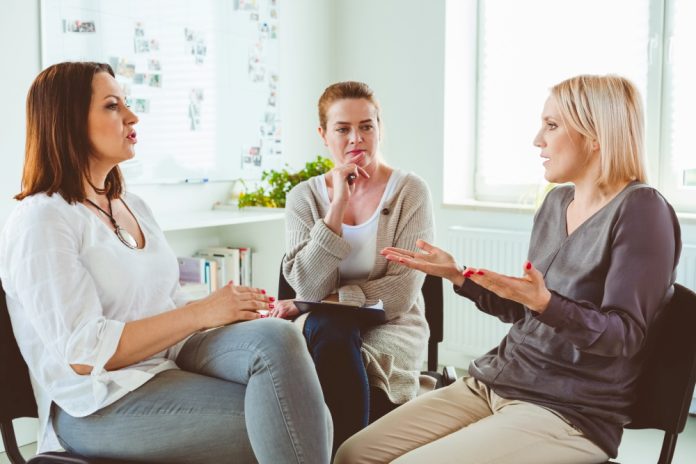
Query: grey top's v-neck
{"type": "Point", "coordinates": [608, 279]}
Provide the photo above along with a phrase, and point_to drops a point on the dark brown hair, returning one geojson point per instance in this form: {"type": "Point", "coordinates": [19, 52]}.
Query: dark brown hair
{"type": "Point", "coordinates": [57, 147]}
{"type": "Point", "coordinates": [342, 91]}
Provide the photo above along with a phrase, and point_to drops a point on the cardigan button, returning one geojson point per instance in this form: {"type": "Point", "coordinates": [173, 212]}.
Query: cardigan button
{"type": "Point", "coordinates": [385, 211]}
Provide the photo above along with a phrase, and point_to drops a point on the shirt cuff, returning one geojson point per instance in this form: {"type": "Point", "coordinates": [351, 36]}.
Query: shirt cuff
{"type": "Point", "coordinates": [469, 290]}
{"type": "Point", "coordinates": [352, 295]}
{"type": "Point", "coordinates": [554, 315]}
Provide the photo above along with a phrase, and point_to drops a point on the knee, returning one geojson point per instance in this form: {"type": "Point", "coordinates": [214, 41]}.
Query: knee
{"type": "Point", "coordinates": [278, 335]}
{"type": "Point", "coordinates": [349, 452]}
{"type": "Point", "coordinates": [323, 331]}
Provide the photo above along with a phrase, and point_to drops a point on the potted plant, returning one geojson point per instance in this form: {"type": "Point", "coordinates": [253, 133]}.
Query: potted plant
{"type": "Point", "coordinates": [279, 183]}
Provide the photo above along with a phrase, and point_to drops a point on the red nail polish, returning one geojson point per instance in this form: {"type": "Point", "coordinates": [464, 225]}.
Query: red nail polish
{"type": "Point", "coordinates": [271, 306]}
{"type": "Point", "coordinates": [479, 272]}
{"type": "Point", "coordinates": [271, 298]}
{"type": "Point", "coordinates": [263, 291]}
{"type": "Point", "coordinates": [529, 265]}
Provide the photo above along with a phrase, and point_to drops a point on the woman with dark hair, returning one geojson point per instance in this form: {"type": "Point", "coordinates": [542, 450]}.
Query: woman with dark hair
{"type": "Point", "coordinates": [120, 367]}
{"type": "Point", "coordinates": [601, 266]}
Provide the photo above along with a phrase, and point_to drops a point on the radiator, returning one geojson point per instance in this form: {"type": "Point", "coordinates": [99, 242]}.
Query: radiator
{"type": "Point", "coordinates": [469, 333]}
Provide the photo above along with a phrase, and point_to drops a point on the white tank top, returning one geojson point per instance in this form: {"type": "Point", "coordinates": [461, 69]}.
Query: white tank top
{"type": "Point", "coordinates": [356, 267]}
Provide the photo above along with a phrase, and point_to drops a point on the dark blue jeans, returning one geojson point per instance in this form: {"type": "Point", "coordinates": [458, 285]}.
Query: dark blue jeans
{"type": "Point", "coordinates": [334, 342]}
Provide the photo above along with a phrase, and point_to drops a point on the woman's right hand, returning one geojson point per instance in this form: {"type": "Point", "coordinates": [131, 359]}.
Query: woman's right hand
{"type": "Point", "coordinates": [231, 304]}
{"type": "Point", "coordinates": [434, 261]}
{"type": "Point", "coordinates": [284, 309]}
{"type": "Point", "coordinates": [342, 179]}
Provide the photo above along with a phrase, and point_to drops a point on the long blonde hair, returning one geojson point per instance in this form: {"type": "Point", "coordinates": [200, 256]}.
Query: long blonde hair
{"type": "Point", "coordinates": [608, 110]}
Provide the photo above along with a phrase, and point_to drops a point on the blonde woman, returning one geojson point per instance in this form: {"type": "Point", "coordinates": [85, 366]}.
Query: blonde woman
{"type": "Point", "coordinates": [600, 267]}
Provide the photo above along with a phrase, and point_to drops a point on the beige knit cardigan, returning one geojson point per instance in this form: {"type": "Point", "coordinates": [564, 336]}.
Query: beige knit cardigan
{"type": "Point", "coordinates": [392, 352]}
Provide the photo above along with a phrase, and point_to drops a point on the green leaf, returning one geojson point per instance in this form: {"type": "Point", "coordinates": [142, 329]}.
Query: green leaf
{"type": "Point", "coordinates": [278, 183]}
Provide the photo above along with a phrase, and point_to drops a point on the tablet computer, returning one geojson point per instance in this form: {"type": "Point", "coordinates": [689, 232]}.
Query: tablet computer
{"type": "Point", "coordinates": [368, 316]}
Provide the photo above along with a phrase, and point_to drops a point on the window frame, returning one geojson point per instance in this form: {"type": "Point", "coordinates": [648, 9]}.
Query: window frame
{"type": "Point", "coordinates": [463, 21]}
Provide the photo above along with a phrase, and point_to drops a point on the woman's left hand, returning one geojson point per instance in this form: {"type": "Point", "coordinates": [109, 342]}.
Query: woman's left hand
{"type": "Point", "coordinates": [530, 289]}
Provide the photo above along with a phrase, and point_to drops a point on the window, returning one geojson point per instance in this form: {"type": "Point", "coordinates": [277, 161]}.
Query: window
{"type": "Point", "coordinates": [502, 56]}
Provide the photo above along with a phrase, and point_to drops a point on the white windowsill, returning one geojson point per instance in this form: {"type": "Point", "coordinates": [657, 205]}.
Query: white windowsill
{"type": "Point", "coordinates": [491, 206]}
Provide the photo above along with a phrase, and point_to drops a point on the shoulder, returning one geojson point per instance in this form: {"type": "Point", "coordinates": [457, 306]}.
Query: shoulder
{"type": "Point", "coordinates": [644, 194]}
{"type": "Point", "coordinates": [136, 203]}
{"type": "Point", "coordinates": [644, 201]}
{"type": "Point", "coordinates": [409, 183]}
{"type": "Point", "coordinates": [42, 210]}
{"type": "Point", "coordinates": [302, 192]}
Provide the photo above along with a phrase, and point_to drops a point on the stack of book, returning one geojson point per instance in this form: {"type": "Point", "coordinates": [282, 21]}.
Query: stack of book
{"type": "Point", "coordinates": [212, 268]}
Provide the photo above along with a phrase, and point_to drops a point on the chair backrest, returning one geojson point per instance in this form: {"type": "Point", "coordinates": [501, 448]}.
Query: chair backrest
{"type": "Point", "coordinates": [16, 395]}
{"type": "Point", "coordinates": [666, 384]}
{"type": "Point", "coordinates": [432, 297]}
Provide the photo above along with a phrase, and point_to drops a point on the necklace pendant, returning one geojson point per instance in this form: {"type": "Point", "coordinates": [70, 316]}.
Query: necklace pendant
{"type": "Point", "coordinates": [126, 238]}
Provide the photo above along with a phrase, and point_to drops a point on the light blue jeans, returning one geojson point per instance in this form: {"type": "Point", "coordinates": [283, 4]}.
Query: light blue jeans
{"type": "Point", "coordinates": [245, 393]}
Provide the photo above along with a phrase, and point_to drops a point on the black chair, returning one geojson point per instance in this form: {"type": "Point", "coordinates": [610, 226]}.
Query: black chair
{"type": "Point", "coordinates": [17, 398]}
{"type": "Point", "coordinates": [434, 309]}
{"type": "Point", "coordinates": [666, 384]}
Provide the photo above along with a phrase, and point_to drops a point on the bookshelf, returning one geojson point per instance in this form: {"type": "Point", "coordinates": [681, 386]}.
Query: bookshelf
{"type": "Point", "coordinates": [261, 229]}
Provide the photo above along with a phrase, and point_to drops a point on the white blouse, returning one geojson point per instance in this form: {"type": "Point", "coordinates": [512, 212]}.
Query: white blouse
{"type": "Point", "coordinates": [71, 286]}
{"type": "Point", "coordinates": [357, 266]}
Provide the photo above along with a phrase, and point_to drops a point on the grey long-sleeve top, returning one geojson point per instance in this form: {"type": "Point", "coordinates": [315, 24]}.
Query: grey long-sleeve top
{"type": "Point", "coordinates": [608, 280]}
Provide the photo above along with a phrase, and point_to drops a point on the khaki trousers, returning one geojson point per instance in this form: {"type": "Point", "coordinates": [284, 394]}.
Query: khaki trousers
{"type": "Point", "coordinates": [468, 423]}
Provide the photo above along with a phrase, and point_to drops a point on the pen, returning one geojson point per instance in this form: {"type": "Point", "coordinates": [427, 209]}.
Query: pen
{"type": "Point", "coordinates": [201, 180]}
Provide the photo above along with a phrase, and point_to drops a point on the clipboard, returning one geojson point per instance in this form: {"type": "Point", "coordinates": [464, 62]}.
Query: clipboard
{"type": "Point", "coordinates": [367, 316]}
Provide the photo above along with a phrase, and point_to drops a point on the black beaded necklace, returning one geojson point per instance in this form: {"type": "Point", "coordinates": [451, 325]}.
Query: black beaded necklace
{"type": "Point", "coordinates": [123, 235]}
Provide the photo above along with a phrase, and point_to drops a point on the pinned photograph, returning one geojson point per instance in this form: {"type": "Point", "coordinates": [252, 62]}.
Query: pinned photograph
{"type": "Point", "coordinates": [122, 67]}
{"type": "Point", "coordinates": [246, 5]}
{"type": "Point", "coordinates": [139, 30]}
{"type": "Point", "coordinates": [141, 105]}
{"type": "Point", "coordinates": [154, 65]}
{"type": "Point", "coordinates": [251, 157]}
{"type": "Point", "coordinates": [154, 80]}
{"type": "Point", "coordinates": [141, 45]}
{"type": "Point", "coordinates": [196, 46]}
{"type": "Point", "coordinates": [195, 108]}
{"type": "Point", "coordinates": [257, 69]}
{"type": "Point", "coordinates": [76, 25]}
{"type": "Point", "coordinates": [139, 78]}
